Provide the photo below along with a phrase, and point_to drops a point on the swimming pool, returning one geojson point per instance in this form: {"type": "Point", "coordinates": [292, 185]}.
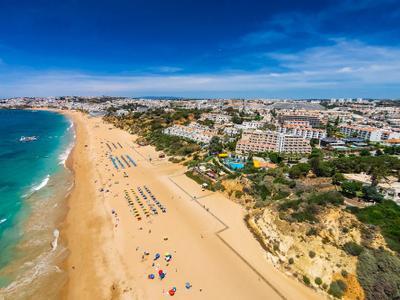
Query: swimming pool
{"type": "Point", "coordinates": [234, 164]}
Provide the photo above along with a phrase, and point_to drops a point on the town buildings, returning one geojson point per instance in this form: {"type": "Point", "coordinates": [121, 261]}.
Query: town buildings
{"type": "Point", "coordinates": [194, 132]}
{"type": "Point", "coordinates": [261, 141]}
{"type": "Point", "coordinates": [305, 132]}
{"type": "Point", "coordinates": [367, 133]}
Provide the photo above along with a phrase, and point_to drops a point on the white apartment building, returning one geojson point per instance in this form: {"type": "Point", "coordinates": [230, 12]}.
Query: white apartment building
{"type": "Point", "coordinates": [217, 118]}
{"type": "Point", "coordinates": [250, 125]}
{"type": "Point", "coordinates": [194, 132]}
{"type": "Point", "coordinates": [305, 132]}
{"type": "Point", "coordinates": [262, 141]}
{"type": "Point", "coordinates": [231, 131]}
{"type": "Point", "coordinates": [371, 134]}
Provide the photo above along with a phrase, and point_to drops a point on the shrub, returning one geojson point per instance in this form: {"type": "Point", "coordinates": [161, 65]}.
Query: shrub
{"type": "Point", "coordinates": [306, 280]}
{"type": "Point", "coordinates": [318, 281]}
{"type": "Point", "coordinates": [291, 261]}
{"type": "Point", "coordinates": [299, 170]}
{"type": "Point", "coordinates": [350, 188]}
{"type": "Point", "coordinates": [238, 194]}
{"type": "Point", "coordinates": [353, 248]}
{"type": "Point", "coordinates": [311, 254]}
{"type": "Point", "coordinates": [337, 288]}
{"type": "Point", "coordinates": [386, 215]}
{"type": "Point", "coordinates": [378, 274]}
{"type": "Point", "coordinates": [331, 197]}
{"type": "Point", "coordinates": [344, 273]}
{"type": "Point", "coordinates": [312, 231]}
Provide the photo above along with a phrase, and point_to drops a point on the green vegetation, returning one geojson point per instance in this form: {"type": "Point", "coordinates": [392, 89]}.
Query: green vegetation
{"type": "Point", "coordinates": [149, 125]}
{"type": "Point", "coordinates": [353, 248]}
{"type": "Point", "coordinates": [306, 280]}
{"type": "Point", "coordinates": [198, 178]}
{"type": "Point", "coordinates": [378, 274]}
{"type": "Point", "coordinates": [337, 288]}
{"type": "Point", "coordinates": [307, 210]}
{"type": "Point", "coordinates": [172, 145]}
{"type": "Point", "coordinates": [215, 145]}
{"type": "Point", "coordinates": [370, 193]}
{"type": "Point", "coordinates": [350, 188]}
{"type": "Point", "coordinates": [386, 215]}
{"type": "Point", "coordinates": [299, 170]}
{"type": "Point", "coordinates": [318, 281]}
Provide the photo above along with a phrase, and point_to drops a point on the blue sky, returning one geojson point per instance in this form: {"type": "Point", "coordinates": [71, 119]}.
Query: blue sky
{"type": "Point", "coordinates": [220, 48]}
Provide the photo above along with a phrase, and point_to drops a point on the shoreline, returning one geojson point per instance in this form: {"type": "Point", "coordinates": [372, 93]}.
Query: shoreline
{"type": "Point", "coordinates": [33, 271]}
{"type": "Point", "coordinates": [102, 247]}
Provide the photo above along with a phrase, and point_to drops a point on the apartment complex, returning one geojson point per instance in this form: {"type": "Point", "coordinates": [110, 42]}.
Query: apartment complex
{"type": "Point", "coordinates": [194, 132]}
{"type": "Point", "coordinates": [261, 141]}
{"type": "Point", "coordinates": [371, 134]}
{"type": "Point", "coordinates": [217, 118]}
{"type": "Point", "coordinates": [312, 120]}
{"type": "Point", "coordinates": [305, 132]}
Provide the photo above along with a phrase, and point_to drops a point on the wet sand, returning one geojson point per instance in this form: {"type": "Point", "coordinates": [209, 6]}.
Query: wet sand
{"type": "Point", "coordinates": [204, 232]}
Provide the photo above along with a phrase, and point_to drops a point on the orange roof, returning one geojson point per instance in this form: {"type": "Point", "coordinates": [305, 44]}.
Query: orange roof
{"type": "Point", "coordinates": [393, 141]}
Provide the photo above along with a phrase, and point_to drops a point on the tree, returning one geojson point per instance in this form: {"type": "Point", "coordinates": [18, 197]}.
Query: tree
{"type": "Point", "coordinates": [338, 178]}
{"type": "Point", "coordinates": [365, 152]}
{"type": "Point", "coordinates": [371, 194]}
{"type": "Point", "coordinates": [350, 188]}
{"type": "Point", "coordinates": [299, 170]}
{"type": "Point", "coordinates": [275, 157]}
{"type": "Point", "coordinates": [215, 145]}
{"type": "Point", "coordinates": [378, 152]}
{"type": "Point", "coordinates": [237, 119]}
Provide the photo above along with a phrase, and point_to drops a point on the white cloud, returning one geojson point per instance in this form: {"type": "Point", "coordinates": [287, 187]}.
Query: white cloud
{"type": "Point", "coordinates": [345, 66]}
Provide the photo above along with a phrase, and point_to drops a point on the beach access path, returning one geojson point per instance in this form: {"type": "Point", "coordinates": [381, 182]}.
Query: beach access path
{"type": "Point", "coordinates": [205, 233]}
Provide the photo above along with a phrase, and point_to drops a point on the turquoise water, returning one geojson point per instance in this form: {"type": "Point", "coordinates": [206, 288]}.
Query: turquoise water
{"type": "Point", "coordinates": [234, 164]}
{"type": "Point", "coordinates": [26, 170]}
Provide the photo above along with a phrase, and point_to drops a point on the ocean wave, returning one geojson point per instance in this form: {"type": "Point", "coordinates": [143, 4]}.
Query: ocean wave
{"type": "Point", "coordinates": [64, 156]}
{"type": "Point", "coordinates": [71, 125]}
{"type": "Point", "coordinates": [3, 220]}
{"type": "Point", "coordinates": [42, 184]}
{"type": "Point", "coordinates": [38, 187]}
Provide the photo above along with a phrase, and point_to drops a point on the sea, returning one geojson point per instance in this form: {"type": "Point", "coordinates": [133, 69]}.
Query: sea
{"type": "Point", "coordinates": [34, 184]}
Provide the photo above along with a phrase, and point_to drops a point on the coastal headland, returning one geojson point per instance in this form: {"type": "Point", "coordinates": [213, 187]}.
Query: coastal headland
{"type": "Point", "coordinates": [128, 205]}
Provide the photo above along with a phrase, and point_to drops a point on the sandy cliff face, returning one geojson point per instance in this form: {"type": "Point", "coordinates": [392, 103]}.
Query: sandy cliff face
{"type": "Point", "coordinates": [314, 250]}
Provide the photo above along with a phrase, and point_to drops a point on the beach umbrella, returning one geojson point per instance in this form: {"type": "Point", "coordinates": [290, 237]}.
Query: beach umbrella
{"type": "Point", "coordinates": [162, 275]}
{"type": "Point", "coordinates": [188, 285]}
{"type": "Point", "coordinates": [157, 256]}
{"type": "Point", "coordinates": [151, 276]}
{"type": "Point", "coordinates": [171, 292]}
{"type": "Point", "coordinates": [160, 272]}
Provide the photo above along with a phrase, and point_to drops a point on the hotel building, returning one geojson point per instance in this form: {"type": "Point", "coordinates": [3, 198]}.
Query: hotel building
{"type": "Point", "coordinates": [262, 141]}
{"type": "Point", "coordinates": [305, 132]}
{"type": "Point", "coordinates": [371, 134]}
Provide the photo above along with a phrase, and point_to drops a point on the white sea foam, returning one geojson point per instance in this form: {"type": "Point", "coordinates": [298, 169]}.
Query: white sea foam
{"type": "Point", "coordinates": [42, 184]}
{"type": "Point", "coordinates": [54, 243]}
{"type": "Point", "coordinates": [71, 124]}
{"type": "Point", "coordinates": [63, 156]}
{"type": "Point", "coordinates": [3, 220]}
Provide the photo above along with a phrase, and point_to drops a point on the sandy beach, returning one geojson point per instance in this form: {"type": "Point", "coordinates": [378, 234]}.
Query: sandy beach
{"type": "Point", "coordinates": [112, 252]}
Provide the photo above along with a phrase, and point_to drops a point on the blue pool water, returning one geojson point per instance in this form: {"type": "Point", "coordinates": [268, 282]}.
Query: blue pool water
{"type": "Point", "coordinates": [234, 164]}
